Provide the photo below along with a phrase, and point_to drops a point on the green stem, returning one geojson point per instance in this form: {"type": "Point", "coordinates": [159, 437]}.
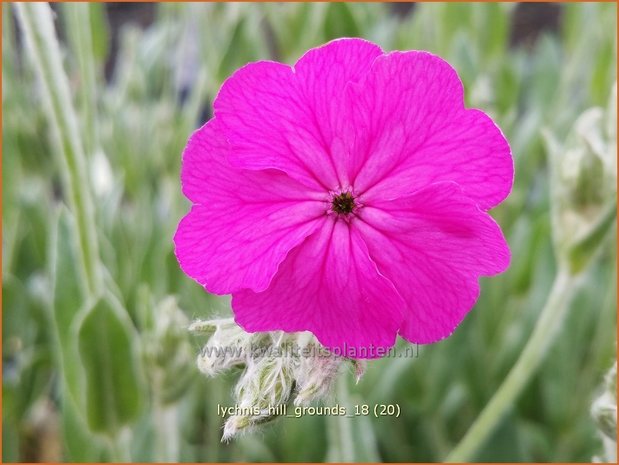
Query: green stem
{"type": "Point", "coordinates": [37, 24]}
{"type": "Point", "coordinates": [341, 443]}
{"type": "Point", "coordinates": [165, 423]}
{"type": "Point", "coordinates": [80, 33]}
{"type": "Point", "coordinates": [546, 329]}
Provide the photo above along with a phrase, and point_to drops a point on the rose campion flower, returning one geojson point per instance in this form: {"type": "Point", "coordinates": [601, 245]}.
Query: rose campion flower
{"type": "Point", "coordinates": [346, 195]}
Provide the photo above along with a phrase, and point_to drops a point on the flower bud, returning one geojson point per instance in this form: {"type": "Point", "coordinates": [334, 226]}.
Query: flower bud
{"type": "Point", "coordinates": [167, 350]}
{"type": "Point", "coordinates": [316, 374]}
{"type": "Point", "coordinates": [226, 348]}
{"type": "Point", "coordinates": [263, 388]}
{"type": "Point", "coordinates": [584, 176]}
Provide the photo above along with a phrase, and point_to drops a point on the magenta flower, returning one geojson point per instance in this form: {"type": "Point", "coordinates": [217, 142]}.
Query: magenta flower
{"type": "Point", "coordinates": [346, 196]}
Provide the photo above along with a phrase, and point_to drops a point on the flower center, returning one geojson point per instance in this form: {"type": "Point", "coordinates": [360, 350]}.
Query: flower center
{"type": "Point", "coordinates": [343, 203]}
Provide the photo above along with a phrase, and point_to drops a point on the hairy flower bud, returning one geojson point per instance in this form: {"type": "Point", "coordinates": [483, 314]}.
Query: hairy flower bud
{"type": "Point", "coordinates": [226, 348]}
{"type": "Point", "coordinates": [316, 374]}
{"type": "Point", "coordinates": [276, 366]}
{"type": "Point", "coordinates": [264, 387]}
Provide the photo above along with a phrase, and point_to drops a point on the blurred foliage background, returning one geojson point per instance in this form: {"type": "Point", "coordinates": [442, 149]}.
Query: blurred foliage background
{"type": "Point", "coordinates": [115, 379]}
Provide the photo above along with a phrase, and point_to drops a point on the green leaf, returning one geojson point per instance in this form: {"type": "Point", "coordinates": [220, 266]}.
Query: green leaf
{"type": "Point", "coordinates": [80, 445]}
{"type": "Point", "coordinates": [68, 298]}
{"type": "Point", "coordinates": [113, 374]}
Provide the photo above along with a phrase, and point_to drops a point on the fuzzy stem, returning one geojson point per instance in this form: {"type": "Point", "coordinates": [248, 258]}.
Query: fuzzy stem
{"type": "Point", "coordinates": [546, 329]}
{"type": "Point", "coordinates": [37, 24]}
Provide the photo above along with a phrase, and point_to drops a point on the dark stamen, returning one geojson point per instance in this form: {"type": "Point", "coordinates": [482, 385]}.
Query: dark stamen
{"type": "Point", "coordinates": [343, 203]}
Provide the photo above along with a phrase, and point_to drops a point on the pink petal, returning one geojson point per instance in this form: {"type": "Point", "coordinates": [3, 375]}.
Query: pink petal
{"type": "Point", "coordinates": [412, 129]}
{"type": "Point", "coordinates": [433, 245]}
{"type": "Point", "coordinates": [328, 285]}
{"type": "Point", "coordinates": [243, 223]}
{"type": "Point", "coordinates": [277, 116]}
